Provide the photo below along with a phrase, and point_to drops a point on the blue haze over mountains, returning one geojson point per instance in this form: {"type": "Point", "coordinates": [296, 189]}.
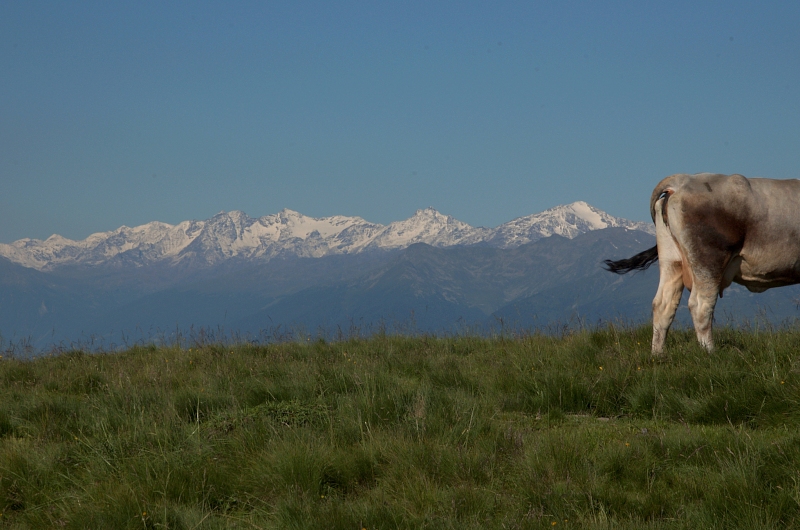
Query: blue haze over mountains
{"type": "Point", "coordinates": [260, 279]}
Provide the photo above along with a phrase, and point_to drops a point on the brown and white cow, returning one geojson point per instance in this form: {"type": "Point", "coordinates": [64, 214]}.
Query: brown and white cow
{"type": "Point", "coordinates": [712, 230]}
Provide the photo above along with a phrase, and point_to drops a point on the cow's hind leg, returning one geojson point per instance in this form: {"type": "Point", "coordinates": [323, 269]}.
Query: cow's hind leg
{"type": "Point", "coordinates": [665, 304]}
{"type": "Point", "coordinates": [701, 305]}
{"type": "Point", "coordinates": [670, 283]}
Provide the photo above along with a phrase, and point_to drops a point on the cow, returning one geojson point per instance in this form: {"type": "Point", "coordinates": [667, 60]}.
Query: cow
{"type": "Point", "coordinates": [712, 230]}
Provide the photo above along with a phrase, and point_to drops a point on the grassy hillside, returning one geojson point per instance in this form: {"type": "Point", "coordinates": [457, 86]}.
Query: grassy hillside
{"type": "Point", "coordinates": [584, 431]}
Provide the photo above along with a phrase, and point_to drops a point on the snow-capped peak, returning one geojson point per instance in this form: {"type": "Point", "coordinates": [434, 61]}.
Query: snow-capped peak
{"type": "Point", "coordinates": [568, 220]}
{"type": "Point", "coordinates": [426, 226]}
{"type": "Point", "coordinates": [592, 216]}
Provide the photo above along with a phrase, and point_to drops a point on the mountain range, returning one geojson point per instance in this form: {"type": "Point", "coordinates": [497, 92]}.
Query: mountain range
{"type": "Point", "coordinates": [286, 273]}
{"type": "Point", "coordinates": [234, 235]}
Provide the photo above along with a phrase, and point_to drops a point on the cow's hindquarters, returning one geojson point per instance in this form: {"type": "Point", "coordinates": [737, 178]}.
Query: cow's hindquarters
{"type": "Point", "coordinates": [670, 283]}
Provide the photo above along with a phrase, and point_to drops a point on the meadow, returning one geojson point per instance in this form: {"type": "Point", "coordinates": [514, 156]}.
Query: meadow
{"type": "Point", "coordinates": [584, 430]}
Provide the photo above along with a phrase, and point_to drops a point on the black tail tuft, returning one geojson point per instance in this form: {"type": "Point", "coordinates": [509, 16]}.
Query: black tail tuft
{"type": "Point", "coordinates": [639, 262]}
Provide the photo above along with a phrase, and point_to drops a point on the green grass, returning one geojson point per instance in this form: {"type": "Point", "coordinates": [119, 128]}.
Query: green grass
{"type": "Point", "coordinates": [584, 431]}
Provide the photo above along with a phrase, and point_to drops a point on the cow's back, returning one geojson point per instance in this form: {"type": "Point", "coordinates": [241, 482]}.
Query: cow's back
{"type": "Point", "coordinates": [720, 217]}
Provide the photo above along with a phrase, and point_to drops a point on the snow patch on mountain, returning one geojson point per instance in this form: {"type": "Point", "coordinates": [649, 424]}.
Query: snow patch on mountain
{"type": "Point", "coordinates": [235, 235]}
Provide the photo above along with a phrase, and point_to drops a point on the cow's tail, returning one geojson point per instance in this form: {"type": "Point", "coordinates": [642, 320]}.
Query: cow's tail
{"type": "Point", "coordinates": [639, 262]}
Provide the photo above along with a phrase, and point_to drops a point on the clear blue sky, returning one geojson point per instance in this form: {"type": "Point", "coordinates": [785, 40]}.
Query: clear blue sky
{"type": "Point", "coordinates": [117, 113]}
